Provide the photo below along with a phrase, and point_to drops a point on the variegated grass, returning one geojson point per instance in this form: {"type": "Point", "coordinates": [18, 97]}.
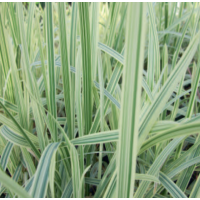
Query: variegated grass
{"type": "Point", "coordinates": [99, 100]}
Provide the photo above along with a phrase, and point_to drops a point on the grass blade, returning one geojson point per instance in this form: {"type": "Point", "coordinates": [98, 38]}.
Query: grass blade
{"type": "Point", "coordinates": [41, 177]}
{"type": "Point", "coordinates": [86, 64]}
{"type": "Point", "coordinates": [171, 187]}
{"type": "Point", "coordinates": [51, 66]}
{"type": "Point", "coordinates": [65, 68]}
{"type": "Point", "coordinates": [11, 184]}
{"type": "Point", "coordinates": [128, 133]}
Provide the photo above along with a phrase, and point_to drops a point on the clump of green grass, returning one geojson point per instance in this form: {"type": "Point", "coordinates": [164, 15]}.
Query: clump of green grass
{"type": "Point", "coordinates": [99, 100]}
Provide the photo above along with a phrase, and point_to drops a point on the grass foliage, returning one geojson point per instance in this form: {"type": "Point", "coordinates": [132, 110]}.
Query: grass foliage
{"type": "Point", "coordinates": [99, 100]}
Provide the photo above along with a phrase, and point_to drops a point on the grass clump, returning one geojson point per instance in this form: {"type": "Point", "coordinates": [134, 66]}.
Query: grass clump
{"type": "Point", "coordinates": [99, 100]}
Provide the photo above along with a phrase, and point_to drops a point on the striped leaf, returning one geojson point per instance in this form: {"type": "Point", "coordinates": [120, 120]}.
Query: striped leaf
{"type": "Point", "coordinates": [128, 127]}
{"type": "Point", "coordinates": [41, 177]}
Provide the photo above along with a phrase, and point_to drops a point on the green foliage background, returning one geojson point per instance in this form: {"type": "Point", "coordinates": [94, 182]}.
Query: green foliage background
{"type": "Point", "coordinates": [99, 100]}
